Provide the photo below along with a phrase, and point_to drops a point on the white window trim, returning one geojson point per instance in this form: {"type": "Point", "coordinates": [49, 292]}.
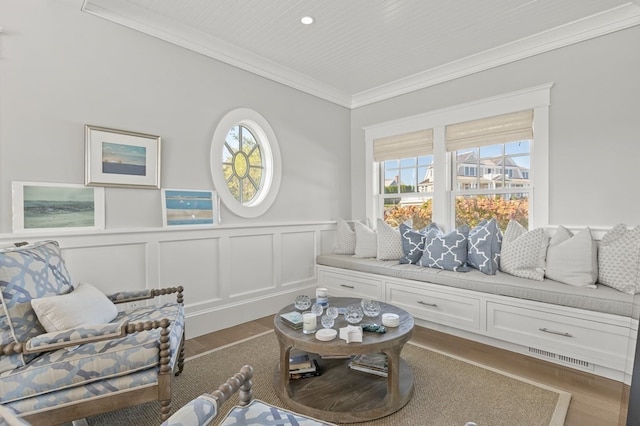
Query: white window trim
{"type": "Point", "coordinates": [266, 137]}
{"type": "Point", "coordinates": [537, 98]}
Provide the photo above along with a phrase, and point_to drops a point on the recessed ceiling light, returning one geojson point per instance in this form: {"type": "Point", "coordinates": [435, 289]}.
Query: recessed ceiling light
{"type": "Point", "coordinates": [307, 20]}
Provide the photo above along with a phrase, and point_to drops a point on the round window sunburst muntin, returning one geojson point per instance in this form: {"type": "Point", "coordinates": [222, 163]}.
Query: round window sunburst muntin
{"type": "Point", "coordinates": [247, 177]}
{"type": "Point", "coordinates": [242, 164]}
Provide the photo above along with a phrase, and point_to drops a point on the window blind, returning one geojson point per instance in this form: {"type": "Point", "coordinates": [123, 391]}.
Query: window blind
{"type": "Point", "coordinates": [406, 145]}
{"type": "Point", "coordinates": [490, 131]}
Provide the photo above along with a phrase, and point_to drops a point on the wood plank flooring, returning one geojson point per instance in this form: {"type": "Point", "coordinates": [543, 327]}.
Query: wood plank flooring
{"type": "Point", "coordinates": [595, 401]}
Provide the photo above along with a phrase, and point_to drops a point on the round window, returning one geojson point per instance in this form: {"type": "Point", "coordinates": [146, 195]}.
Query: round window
{"type": "Point", "coordinates": [245, 162]}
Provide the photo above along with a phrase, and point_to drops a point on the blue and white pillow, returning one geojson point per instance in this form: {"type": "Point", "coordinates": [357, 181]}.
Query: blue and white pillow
{"type": "Point", "coordinates": [447, 252]}
{"type": "Point", "coordinates": [413, 241]}
{"type": "Point", "coordinates": [485, 241]}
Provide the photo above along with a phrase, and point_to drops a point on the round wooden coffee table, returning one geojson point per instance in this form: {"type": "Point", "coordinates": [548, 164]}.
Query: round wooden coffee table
{"type": "Point", "coordinates": [341, 394]}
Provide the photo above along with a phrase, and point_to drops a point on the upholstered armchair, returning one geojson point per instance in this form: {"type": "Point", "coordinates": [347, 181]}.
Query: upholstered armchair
{"type": "Point", "coordinates": [204, 409]}
{"type": "Point", "coordinates": [67, 352]}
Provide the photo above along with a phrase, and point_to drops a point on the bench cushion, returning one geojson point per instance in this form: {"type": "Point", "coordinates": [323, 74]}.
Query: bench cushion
{"type": "Point", "coordinates": [601, 299]}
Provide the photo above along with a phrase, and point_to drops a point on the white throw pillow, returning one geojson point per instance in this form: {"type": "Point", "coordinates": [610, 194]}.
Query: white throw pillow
{"type": "Point", "coordinates": [366, 241]}
{"type": "Point", "coordinates": [619, 259]}
{"type": "Point", "coordinates": [389, 241]}
{"type": "Point", "coordinates": [84, 306]}
{"type": "Point", "coordinates": [345, 238]}
{"type": "Point", "coordinates": [572, 259]}
{"type": "Point", "coordinates": [523, 252]}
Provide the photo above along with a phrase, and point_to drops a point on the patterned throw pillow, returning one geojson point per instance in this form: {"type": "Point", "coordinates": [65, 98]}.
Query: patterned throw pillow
{"type": "Point", "coordinates": [619, 259]}
{"type": "Point", "coordinates": [447, 252]}
{"type": "Point", "coordinates": [345, 239]}
{"type": "Point", "coordinates": [485, 241]}
{"type": "Point", "coordinates": [523, 252]}
{"type": "Point", "coordinates": [366, 241]}
{"type": "Point", "coordinates": [28, 272]}
{"type": "Point", "coordinates": [413, 242]}
{"type": "Point", "coordinates": [572, 259]}
{"type": "Point", "coordinates": [389, 241]}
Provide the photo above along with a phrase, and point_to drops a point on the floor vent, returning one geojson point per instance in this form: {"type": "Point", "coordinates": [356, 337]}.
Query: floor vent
{"type": "Point", "coordinates": [562, 358]}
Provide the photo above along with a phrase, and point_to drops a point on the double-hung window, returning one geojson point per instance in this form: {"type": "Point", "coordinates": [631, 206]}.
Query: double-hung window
{"type": "Point", "coordinates": [491, 160]}
{"type": "Point", "coordinates": [405, 183]}
{"type": "Point", "coordinates": [464, 163]}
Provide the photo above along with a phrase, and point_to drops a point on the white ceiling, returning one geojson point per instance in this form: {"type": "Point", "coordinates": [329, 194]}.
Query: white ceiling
{"type": "Point", "coordinates": [361, 51]}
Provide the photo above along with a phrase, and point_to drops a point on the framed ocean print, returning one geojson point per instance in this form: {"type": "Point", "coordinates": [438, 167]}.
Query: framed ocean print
{"type": "Point", "coordinates": [39, 206]}
{"type": "Point", "coordinates": [184, 207]}
{"type": "Point", "coordinates": [121, 158]}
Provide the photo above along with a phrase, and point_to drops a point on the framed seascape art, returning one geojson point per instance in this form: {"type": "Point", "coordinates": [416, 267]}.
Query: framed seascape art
{"type": "Point", "coordinates": [182, 207]}
{"type": "Point", "coordinates": [120, 158]}
{"type": "Point", "coordinates": [55, 206]}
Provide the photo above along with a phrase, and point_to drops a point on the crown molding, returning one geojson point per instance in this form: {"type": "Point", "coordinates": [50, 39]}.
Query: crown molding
{"type": "Point", "coordinates": [612, 20]}
{"type": "Point", "coordinates": [165, 29]}
{"type": "Point", "coordinates": [123, 13]}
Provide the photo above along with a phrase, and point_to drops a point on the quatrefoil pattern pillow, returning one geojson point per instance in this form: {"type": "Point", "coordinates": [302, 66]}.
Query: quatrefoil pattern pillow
{"type": "Point", "coordinates": [413, 242]}
{"type": "Point", "coordinates": [447, 252]}
{"type": "Point", "coordinates": [485, 241]}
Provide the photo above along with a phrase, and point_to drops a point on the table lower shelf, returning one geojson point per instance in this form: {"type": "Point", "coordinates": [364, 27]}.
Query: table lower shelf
{"type": "Point", "coordinates": [343, 395]}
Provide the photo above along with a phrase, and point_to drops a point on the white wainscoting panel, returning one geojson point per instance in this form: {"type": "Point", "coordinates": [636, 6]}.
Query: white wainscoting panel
{"type": "Point", "coordinates": [112, 268]}
{"type": "Point", "coordinates": [231, 273]}
{"type": "Point", "coordinates": [251, 264]}
{"type": "Point", "coordinates": [193, 264]}
{"type": "Point", "coordinates": [298, 257]}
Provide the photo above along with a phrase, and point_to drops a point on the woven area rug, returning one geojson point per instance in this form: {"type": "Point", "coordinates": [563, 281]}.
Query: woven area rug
{"type": "Point", "coordinates": [448, 390]}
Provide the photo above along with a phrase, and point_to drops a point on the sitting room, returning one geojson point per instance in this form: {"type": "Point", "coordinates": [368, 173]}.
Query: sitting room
{"type": "Point", "coordinates": [175, 175]}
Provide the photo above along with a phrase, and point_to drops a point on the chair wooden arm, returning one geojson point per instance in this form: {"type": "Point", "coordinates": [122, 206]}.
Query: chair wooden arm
{"type": "Point", "coordinates": [132, 296]}
{"type": "Point", "coordinates": [239, 381]}
{"type": "Point", "coordinates": [124, 329]}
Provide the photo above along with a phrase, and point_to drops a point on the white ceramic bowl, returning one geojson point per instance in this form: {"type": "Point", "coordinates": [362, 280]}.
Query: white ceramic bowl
{"type": "Point", "coordinates": [390, 320]}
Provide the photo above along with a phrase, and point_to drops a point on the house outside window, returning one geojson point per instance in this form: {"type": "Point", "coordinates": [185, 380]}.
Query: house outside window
{"type": "Point", "coordinates": [404, 186]}
{"type": "Point", "coordinates": [481, 163]}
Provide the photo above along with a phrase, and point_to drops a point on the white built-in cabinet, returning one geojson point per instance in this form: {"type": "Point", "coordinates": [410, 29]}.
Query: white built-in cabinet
{"type": "Point", "coordinates": [595, 342]}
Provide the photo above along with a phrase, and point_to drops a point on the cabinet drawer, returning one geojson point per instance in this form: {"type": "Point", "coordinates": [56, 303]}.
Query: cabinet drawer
{"type": "Point", "coordinates": [570, 339]}
{"type": "Point", "coordinates": [349, 285]}
{"type": "Point", "coordinates": [439, 307]}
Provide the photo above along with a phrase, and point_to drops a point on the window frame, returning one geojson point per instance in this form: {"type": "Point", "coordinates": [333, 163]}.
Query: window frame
{"type": "Point", "coordinates": [272, 172]}
{"type": "Point", "coordinates": [537, 98]}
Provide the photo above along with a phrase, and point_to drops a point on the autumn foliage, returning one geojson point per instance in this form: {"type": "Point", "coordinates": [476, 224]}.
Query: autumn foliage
{"type": "Point", "coordinates": [469, 210]}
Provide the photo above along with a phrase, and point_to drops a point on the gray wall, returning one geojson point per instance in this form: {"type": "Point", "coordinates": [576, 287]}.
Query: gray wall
{"type": "Point", "coordinates": [594, 148]}
{"type": "Point", "coordinates": [61, 68]}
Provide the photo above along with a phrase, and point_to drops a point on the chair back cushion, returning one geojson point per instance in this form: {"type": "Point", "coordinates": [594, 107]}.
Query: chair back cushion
{"type": "Point", "coordinates": [27, 272]}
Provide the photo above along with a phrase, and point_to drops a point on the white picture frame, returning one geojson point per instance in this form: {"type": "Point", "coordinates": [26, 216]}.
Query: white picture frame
{"type": "Point", "coordinates": [44, 206]}
{"type": "Point", "coordinates": [189, 207]}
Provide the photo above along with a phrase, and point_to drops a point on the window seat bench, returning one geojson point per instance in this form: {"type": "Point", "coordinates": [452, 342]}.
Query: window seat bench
{"type": "Point", "coordinates": [585, 328]}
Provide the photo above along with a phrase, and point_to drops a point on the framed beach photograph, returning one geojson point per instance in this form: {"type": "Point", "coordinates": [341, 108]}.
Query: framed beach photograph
{"type": "Point", "coordinates": [41, 206]}
{"type": "Point", "coordinates": [121, 158]}
{"type": "Point", "coordinates": [183, 207]}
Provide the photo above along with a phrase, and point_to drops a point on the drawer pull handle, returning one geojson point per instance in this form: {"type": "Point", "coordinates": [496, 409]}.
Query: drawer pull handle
{"type": "Point", "coordinates": [347, 286]}
{"type": "Point", "coordinates": [433, 305]}
{"type": "Point", "coordinates": [559, 333]}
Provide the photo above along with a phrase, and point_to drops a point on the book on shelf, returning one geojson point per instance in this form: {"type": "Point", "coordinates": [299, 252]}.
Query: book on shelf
{"type": "Point", "coordinates": [370, 363]}
{"type": "Point", "coordinates": [298, 361]}
{"type": "Point", "coordinates": [292, 319]}
{"type": "Point", "coordinates": [334, 356]}
{"type": "Point", "coordinates": [303, 373]}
